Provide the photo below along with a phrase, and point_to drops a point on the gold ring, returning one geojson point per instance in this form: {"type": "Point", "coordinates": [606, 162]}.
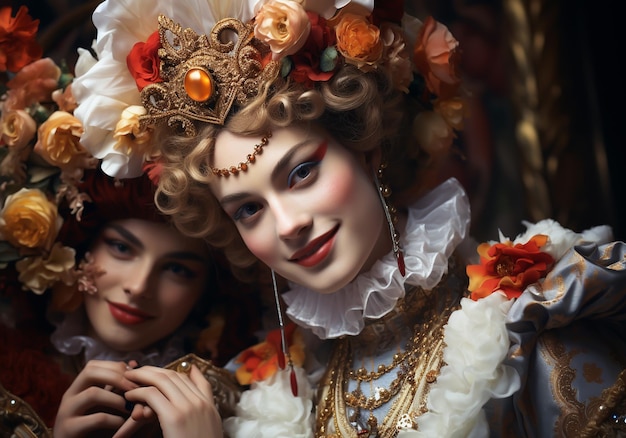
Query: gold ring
{"type": "Point", "coordinates": [184, 367]}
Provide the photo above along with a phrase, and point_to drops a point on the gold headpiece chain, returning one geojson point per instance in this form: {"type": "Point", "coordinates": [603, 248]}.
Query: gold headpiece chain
{"type": "Point", "coordinates": [243, 166]}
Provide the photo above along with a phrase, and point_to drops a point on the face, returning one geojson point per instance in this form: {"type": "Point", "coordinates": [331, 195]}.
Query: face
{"type": "Point", "coordinates": [307, 207]}
{"type": "Point", "coordinates": [153, 277]}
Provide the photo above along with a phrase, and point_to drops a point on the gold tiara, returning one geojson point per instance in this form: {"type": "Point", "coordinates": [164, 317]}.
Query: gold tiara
{"type": "Point", "coordinates": [205, 75]}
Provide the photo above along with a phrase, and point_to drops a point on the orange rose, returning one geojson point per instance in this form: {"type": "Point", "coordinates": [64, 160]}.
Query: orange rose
{"type": "Point", "coordinates": [508, 268]}
{"type": "Point", "coordinates": [65, 99]}
{"type": "Point", "coordinates": [436, 58]}
{"type": "Point", "coordinates": [18, 129]}
{"type": "Point", "coordinates": [18, 42]}
{"type": "Point", "coordinates": [283, 25]}
{"type": "Point", "coordinates": [261, 361]}
{"type": "Point", "coordinates": [58, 140]}
{"type": "Point", "coordinates": [359, 41]}
{"type": "Point", "coordinates": [34, 83]}
{"type": "Point", "coordinates": [28, 219]}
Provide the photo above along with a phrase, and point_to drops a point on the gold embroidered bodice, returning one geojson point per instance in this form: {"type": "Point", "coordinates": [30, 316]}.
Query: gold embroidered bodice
{"type": "Point", "coordinates": [352, 401]}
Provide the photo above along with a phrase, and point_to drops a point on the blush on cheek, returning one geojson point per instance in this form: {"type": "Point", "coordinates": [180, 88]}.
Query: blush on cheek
{"type": "Point", "coordinates": [261, 246]}
{"type": "Point", "coordinates": [338, 191]}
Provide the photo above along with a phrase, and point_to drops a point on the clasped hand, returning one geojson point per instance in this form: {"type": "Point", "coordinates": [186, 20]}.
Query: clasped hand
{"type": "Point", "coordinates": [119, 398]}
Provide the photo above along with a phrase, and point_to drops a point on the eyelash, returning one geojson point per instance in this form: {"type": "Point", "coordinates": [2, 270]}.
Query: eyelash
{"type": "Point", "coordinates": [310, 165]}
{"type": "Point", "coordinates": [242, 215]}
{"type": "Point", "coordinates": [119, 247]}
{"type": "Point", "coordinates": [180, 270]}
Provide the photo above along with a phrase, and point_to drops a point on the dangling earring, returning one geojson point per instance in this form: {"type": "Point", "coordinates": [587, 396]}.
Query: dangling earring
{"type": "Point", "coordinates": [390, 213]}
{"type": "Point", "coordinates": [283, 341]}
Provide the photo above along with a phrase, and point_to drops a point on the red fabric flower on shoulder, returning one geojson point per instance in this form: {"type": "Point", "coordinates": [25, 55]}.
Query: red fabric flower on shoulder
{"type": "Point", "coordinates": [508, 268]}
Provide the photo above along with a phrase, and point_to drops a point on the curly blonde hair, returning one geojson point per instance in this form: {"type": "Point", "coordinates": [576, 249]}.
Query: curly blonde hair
{"type": "Point", "coordinates": [360, 110]}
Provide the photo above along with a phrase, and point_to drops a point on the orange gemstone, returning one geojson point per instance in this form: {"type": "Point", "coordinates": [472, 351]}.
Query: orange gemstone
{"type": "Point", "coordinates": [198, 84]}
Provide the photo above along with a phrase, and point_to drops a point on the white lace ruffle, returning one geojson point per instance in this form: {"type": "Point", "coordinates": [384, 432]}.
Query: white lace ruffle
{"type": "Point", "coordinates": [69, 338]}
{"type": "Point", "coordinates": [436, 224]}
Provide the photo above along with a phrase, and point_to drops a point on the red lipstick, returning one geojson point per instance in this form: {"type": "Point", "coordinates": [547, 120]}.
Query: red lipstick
{"type": "Point", "coordinates": [128, 315]}
{"type": "Point", "coordinates": [316, 250]}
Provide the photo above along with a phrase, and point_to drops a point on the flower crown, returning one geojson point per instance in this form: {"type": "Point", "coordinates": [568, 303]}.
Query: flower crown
{"type": "Point", "coordinates": [200, 61]}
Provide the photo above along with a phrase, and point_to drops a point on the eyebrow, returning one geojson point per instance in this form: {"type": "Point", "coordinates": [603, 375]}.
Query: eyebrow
{"type": "Point", "coordinates": [280, 167]}
{"type": "Point", "coordinates": [179, 255]}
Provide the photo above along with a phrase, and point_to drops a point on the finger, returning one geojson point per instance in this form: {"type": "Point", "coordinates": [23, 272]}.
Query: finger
{"type": "Point", "coordinates": [171, 384]}
{"type": "Point", "coordinates": [129, 428]}
{"type": "Point", "coordinates": [82, 425]}
{"type": "Point", "coordinates": [92, 398]}
{"type": "Point", "coordinates": [151, 396]}
{"type": "Point", "coordinates": [142, 412]}
{"type": "Point", "coordinates": [102, 374]}
{"type": "Point", "coordinates": [201, 383]}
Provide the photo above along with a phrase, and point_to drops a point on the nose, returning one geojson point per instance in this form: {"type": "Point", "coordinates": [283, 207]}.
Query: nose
{"type": "Point", "coordinates": [291, 221]}
{"type": "Point", "coordinates": [137, 281]}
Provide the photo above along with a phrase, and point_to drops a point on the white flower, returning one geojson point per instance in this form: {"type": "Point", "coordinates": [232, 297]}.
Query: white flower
{"type": "Point", "coordinates": [85, 61]}
{"type": "Point", "coordinates": [560, 239]}
{"type": "Point", "coordinates": [269, 409]}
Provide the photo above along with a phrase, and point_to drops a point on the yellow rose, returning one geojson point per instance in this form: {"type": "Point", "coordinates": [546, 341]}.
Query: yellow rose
{"type": "Point", "coordinates": [58, 139]}
{"type": "Point", "coordinates": [28, 219]}
{"type": "Point", "coordinates": [283, 25]}
{"type": "Point", "coordinates": [18, 129]}
{"type": "Point", "coordinates": [129, 136]}
{"type": "Point", "coordinates": [432, 132]}
{"type": "Point", "coordinates": [39, 274]}
{"type": "Point", "coordinates": [452, 110]}
{"type": "Point", "coordinates": [359, 41]}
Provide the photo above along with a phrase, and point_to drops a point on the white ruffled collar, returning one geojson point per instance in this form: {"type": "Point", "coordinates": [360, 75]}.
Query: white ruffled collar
{"type": "Point", "coordinates": [69, 338]}
{"type": "Point", "coordinates": [436, 224]}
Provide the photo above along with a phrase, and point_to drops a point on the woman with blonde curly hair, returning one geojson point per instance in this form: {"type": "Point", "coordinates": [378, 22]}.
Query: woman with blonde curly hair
{"type": "Point", "coordinates": [306, 136]}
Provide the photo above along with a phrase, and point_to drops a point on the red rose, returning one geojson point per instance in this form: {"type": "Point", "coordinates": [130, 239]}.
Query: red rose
{"type": "Point", "coordinates": [144, 63]}
{"type": "Point", "coordinates": [18, 44]}
{"type": "Point", "coordinates": [307, 68]}
{"type": "Point", "coordinates": [508, 268]}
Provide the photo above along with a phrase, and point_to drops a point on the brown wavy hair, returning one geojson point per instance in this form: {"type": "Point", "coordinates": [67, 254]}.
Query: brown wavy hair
{"type": "Point", "coordinates": [360, 110]}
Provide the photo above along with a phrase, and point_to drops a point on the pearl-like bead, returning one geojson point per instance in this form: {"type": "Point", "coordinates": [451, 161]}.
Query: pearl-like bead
{"type": "Point", "coordinates": [198, 85]}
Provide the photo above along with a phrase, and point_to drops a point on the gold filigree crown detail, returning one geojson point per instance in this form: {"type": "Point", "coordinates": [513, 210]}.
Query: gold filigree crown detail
{"type": "Point", "coordinates": [205, 75]}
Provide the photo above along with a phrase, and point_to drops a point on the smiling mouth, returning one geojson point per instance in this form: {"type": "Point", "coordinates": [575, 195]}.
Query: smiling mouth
{"type": "Point", "coordinates": [128, 315]}
{"type": "Point", "coordinates": [316, 250]}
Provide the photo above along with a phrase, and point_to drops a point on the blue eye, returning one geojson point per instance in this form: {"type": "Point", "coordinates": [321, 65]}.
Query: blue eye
{"type": "Point", "coordinates": [247, 210]}
{"type": "Point", "coordinates": [302, 172]}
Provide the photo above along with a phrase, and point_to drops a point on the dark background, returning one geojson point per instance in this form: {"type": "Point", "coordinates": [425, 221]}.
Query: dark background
{"type": "Point", "coordinates": [572, 53]}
